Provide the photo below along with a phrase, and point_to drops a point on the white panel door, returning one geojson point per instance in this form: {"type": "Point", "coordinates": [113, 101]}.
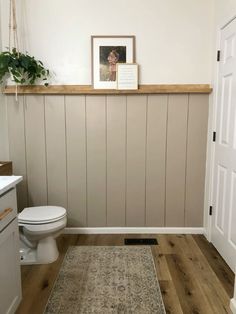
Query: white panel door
{"type": "Point", "coordinates": [224, 193]}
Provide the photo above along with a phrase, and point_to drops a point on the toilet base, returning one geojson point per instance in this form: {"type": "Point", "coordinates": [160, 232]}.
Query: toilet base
{"type": "Point", "coordinates": [46, 252]}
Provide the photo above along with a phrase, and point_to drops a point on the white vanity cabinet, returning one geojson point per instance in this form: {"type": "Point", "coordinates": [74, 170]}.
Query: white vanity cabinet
{"type": "Point", "coordinates": [10, 276]}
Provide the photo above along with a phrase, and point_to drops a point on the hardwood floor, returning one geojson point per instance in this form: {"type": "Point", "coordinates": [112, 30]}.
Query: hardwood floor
{"type": "Point", "coordinates": [192, 275]}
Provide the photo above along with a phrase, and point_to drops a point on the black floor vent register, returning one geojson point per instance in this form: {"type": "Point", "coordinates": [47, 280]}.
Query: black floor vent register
{"type": "Point", "coordinates": [141, 242]}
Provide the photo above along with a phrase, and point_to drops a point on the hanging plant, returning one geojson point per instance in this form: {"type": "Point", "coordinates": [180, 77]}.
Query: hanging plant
{"type": "Point", "coordinates": [21, 68]}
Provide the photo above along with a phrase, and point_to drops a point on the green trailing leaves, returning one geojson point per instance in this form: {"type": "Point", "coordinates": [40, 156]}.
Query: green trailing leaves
{"type": "Point", "coordinates": [21, 68]}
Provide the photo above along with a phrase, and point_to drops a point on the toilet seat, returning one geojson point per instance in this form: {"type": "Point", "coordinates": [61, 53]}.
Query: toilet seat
{"type": "Point", "coordinates": [41, 215]}
{"type": "Point", "coordinates": [43, 228]}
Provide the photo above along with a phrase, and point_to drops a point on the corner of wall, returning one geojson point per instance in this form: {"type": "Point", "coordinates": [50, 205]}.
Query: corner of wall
{"type": "Point", "coordinates": [4, 143]}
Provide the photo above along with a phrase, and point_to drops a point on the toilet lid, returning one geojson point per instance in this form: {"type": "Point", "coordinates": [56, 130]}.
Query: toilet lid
{"type": "Point", "coordinates": [41, 214]}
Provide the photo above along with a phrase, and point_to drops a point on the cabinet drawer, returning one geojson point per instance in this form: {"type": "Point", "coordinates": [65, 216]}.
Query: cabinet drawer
{"type": "Point", "coordinates": [8, 207]}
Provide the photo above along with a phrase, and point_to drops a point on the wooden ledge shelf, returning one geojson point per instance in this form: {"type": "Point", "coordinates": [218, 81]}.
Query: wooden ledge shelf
{"type": "Point", "coordinates": [89, 90]}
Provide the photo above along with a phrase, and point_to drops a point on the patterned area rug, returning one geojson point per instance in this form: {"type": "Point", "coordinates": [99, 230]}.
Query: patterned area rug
{"type": "Point", "coordinates": [106, 279]}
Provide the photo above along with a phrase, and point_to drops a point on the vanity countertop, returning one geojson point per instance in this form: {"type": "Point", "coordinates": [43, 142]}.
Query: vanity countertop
{"type": "Point", "coordinates": [8, 182]}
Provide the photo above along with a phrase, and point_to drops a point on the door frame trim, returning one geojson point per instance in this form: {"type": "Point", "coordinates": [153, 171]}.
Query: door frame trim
{"type": "Point", "coordinates": [228, 22]}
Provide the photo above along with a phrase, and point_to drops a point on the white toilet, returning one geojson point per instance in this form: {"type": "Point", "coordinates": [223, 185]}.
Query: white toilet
{"type": "Point", "coordinates": [39, 227]}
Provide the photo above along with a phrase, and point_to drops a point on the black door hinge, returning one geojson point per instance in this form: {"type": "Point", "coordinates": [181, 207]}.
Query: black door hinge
{"type": "Point", "coordinates": [210, 210]}
{"type": "Point", "coordinates": [218, 55]}
{"type": "Point", "coordinates": [214, 136]}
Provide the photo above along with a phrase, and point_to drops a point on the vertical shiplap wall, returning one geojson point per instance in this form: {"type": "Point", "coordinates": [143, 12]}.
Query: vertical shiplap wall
{"type": "Point", "coordinates": [136, 160]}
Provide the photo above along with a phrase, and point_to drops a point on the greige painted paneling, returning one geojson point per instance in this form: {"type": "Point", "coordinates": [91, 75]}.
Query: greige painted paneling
{"type": "Point", "coordinates": [56, 150]}
{"type": "Point", "coordinates": [36, 150]}
{"type": "Point", "coordinates": [176, 160]}
{"type": "Point", "coordinates": [116, 160]}
{"type": "Point", "coordinates": [196, 160]}
{"type": "Point", "coordinates": [96, 160]}
{"type": "Point", "coordinates": [156, 160]}
{"type": "Point", "coordinates": [16, 131]}
{"type": "Point", "coordinates": [76, 160]}
{"type": "Point", "coordinates": [136, 154]}
{"type": "Point", "coordinates": [112, 161]}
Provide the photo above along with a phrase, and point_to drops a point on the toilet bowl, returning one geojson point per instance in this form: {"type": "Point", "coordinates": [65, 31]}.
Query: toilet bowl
{"type": "Point", "coordinates": [39, 226]}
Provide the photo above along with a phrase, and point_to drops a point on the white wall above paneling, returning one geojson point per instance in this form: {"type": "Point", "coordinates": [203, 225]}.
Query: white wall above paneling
{"type": "Point", "coordinates": [173, 38]}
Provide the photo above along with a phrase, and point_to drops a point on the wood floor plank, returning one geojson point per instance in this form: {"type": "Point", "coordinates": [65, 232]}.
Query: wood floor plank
{"type": "Point", "coordinates": [184, 245]}
{"type": "Point", "coordinates": [170, 297]}
{"type": "Point", "coordinates": [169, 243]}
{"type": "Point", "coordinates": [217, 263]}
{"type": "Point", "coordinates": [162, 269]}
{"type": "Point", "coordinates": [202, 272]}
{"type": "Point", "coordinates": [190, 273]}
{"type": "Point", "coordinates": [191, 298]}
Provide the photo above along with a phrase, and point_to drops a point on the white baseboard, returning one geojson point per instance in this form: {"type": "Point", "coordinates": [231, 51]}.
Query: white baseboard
{"type": "Point", "coordinates": [131, 230]}
{"type": "Point", "coordinates": [233, 305]}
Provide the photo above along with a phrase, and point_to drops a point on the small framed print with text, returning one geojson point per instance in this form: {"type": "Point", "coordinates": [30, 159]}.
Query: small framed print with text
{"type": "Point", "coordinates": [127, 76]}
